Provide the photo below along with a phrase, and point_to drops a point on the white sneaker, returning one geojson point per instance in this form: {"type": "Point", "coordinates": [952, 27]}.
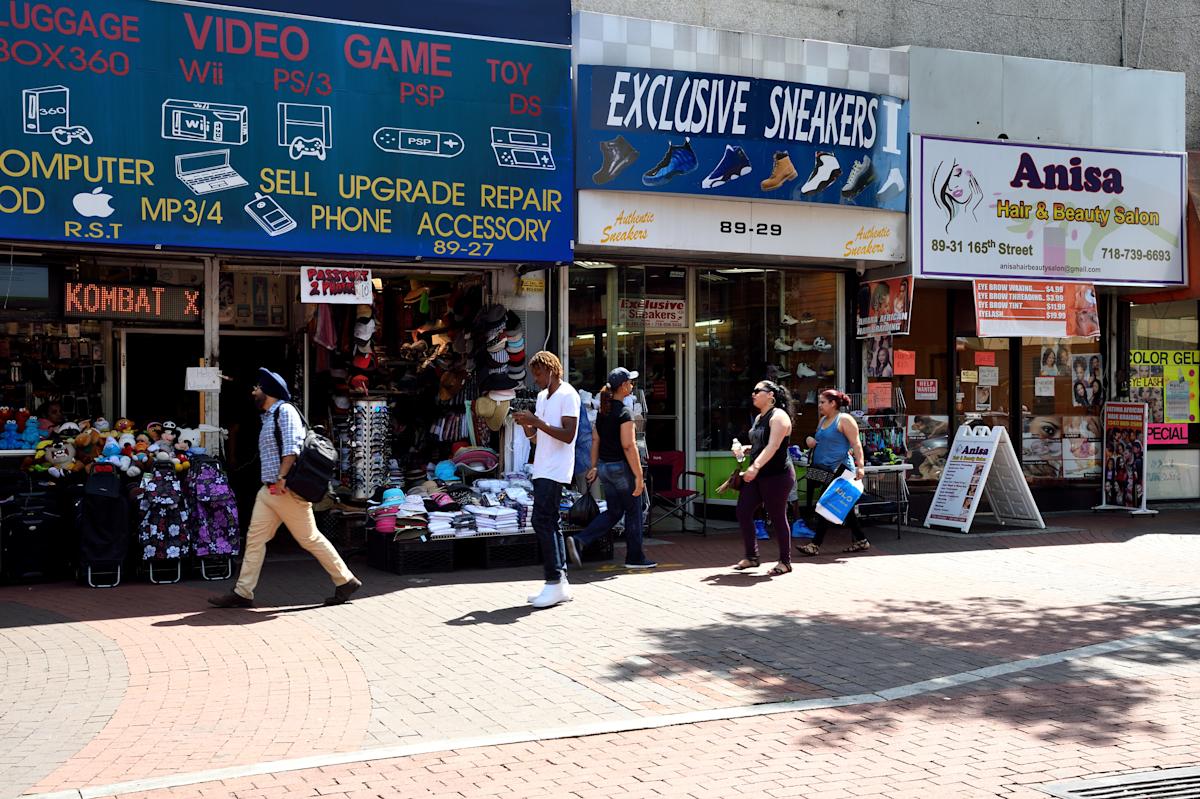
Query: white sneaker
{"type": "Point", "coordinates": [788, 320]}
{"type": "Point", "coordinates": [552, 594]}
{"type": "Point", "coordinates": [819, 343]}
{"type": "Point", "coordinates": [804, 370]}
{"type": "Point", "coordinates": [892, 187]}
{"type": "Point", "coordinates": [782, 346]}
{"type": "Point", "coordinates": [800, 346]}
{"type": "Point", "coordinates": [573, 552]}
{"type": "Point", "coordinates": [825, 171]}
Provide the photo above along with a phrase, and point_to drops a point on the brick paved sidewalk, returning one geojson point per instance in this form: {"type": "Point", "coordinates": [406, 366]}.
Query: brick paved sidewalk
{"type": "Point", "coordinates": [144, 681]}
{"type": "Point", "coordinates": [1136, 710]}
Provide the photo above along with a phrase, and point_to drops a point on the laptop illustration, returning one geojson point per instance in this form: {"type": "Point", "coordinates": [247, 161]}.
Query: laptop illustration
{"type": "Point", "coordinates": [207, 172]}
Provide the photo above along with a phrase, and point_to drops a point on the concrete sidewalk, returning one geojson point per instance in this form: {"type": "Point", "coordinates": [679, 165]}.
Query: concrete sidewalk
{"type": "Point", "coordinates": [108, 687]}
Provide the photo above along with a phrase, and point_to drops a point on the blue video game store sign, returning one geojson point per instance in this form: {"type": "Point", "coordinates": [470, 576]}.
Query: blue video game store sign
{"type": "Point", "coordinates": [653, 130]}
{"type": "Point", "coordinates": [126, 122]}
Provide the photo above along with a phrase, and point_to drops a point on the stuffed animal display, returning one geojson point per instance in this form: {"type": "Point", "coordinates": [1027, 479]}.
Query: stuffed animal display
{"type": "Point", "coordinates": [77, 448]}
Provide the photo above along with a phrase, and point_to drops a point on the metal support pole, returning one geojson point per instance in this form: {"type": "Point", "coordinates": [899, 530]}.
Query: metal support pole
{"type": "Point", "coordinates": [212, 343]}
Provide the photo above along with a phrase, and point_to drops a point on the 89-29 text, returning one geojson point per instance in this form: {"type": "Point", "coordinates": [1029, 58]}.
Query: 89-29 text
{"type": "Point", "coordinates": [756, 228]}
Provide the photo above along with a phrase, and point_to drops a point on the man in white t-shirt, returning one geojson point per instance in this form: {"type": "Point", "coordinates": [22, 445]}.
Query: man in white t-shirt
{"type": "Point", "coordinates": [553, 427]}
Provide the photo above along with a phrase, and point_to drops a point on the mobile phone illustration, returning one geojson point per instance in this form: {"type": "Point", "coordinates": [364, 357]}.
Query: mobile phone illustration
{"type": "Point", "coordinates": [269, 216]}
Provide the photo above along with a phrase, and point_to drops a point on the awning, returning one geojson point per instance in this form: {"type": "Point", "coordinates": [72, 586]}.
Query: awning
{"type": "Point", "coordinates": [1192, 255]}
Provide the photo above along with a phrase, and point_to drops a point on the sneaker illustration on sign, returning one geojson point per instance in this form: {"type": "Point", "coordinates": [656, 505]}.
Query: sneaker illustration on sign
{"type": "Point", "coordinates": [678, 160]}
{"type": "Point", "coordinates": [862, 174]}
{"type": "Point", "coordinates": [618, 154]}
{"type": "Point", "coordinates": [734, 164]}
{"type": "Point", "coordinates": [825, 171]}
{"type": "Point", "coordinates": [782, 170]}
{"type": "Point", "coordinates": [892, 187]}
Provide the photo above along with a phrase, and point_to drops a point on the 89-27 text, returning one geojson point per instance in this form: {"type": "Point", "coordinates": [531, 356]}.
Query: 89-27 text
{"type": "Point", "coordinates": [756, 228]}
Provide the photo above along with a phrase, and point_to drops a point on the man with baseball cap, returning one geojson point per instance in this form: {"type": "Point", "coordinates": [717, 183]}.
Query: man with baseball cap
{"type": "Point", "coordinates": [274, 504]}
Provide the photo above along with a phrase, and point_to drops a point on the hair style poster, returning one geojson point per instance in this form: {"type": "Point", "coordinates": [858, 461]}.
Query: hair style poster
{"type": "Point", "coordinates": [884, 307]}
{"type": "Point", "coordinates": [1124, 454]}
{"type": "Point", "coordinates": [1081, 447]}
{"type": "Point", "coordinates": [879, 357]}
{"type": "Point", "coordinates": [1087, 380]}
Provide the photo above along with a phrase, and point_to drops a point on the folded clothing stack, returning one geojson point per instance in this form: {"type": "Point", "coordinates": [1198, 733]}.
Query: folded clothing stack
{"type": "Point", "coordinates": [456, 523]}
{"type": "Point", "coordinates": [495, 520]}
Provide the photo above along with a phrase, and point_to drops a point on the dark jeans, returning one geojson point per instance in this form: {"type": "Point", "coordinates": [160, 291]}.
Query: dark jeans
{"type": "Point", "coordinates": [617, 479]}
{"type": "Point", "coordinates": [819, 523]}
{"type": "Point", "coordinates": [772, 493]}
{"type": "Point", "coordinates": [547, 494]}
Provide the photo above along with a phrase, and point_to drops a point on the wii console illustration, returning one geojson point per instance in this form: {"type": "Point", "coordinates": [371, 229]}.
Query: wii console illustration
{"type": "Point", "coordinates": [207, 172]}
{"type": "Point", "coordinates": [269, 216]}
{"type": "Point", "coordinates": [522, 149]}
{"type": "Point", "coordinates": [437, 143]}
{"type": "Point", "coordinates": [215, 123]}
{"type": "Point", "coordinates": [46, 111]}
{"type": "Point", "coordinates": [305, 130]}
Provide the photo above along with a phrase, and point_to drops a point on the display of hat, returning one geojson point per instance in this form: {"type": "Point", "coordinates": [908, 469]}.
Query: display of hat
{"type": "Point", "coordinates": [496, 380]}
{"type": "Point", "coordinates": [516, 344]}
{"type": "Point", "coordinates": [364, 330]}
{"type": "Point", "coordinates": [273, 385]}
{"type": "Point", "coordinates": [497, 344]}
{"type": "Point", "coordinates": [451, 383]}
{"type": "Point", "coordinates": [491, 411]}
{"type": "Point", "coordinates": [363, 362]}
{"type": "Point", "coordinates": [362, 347]}
{"type": "Point", "coordinates": [444, 471]}
{"type": "Point", "coordinates": [359, 384]}
{"type": "Point", "coordinates": [487, 360]}
{"type": "Point", "coordinates": [362, 311]}
{"type": "Point", "coordinates": [493, 315]}
{"type": "Point", "coordinates": [517, 372]}
{"type": "Point", "coordinates": [414, 296]}
{"type": "Point", "coordinates": [517, 357]}
{"type": "Point", "coordinates": [512, 321]}
{"type": "Point", "coordinates": [500, 395]}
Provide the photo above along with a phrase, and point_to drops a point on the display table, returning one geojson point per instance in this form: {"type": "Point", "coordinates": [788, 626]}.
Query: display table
{"type": "Point", "coordinates": [885, 493]}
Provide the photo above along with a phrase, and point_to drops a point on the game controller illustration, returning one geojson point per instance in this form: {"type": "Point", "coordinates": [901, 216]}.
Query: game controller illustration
{"type": "Point", "coordinates": [65, 134]}
{"type": "Point", "coordinates": [301, 147]}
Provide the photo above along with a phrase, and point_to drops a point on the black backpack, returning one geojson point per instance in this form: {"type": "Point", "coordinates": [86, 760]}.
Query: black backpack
{"type": "Point", "coordinates": [312, 473]}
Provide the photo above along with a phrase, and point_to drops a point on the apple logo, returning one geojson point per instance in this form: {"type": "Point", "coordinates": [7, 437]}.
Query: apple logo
{"type": "Point", "coordinates": [93, 203]}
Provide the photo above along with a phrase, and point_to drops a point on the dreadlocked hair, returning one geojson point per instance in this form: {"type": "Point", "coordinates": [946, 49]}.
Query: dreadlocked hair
{"type": "Point", "coordinates": [548, 361]}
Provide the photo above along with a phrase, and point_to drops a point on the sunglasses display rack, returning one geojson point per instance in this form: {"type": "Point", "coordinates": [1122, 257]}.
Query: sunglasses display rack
{"type": "Point", "coordinates": [370, 450]}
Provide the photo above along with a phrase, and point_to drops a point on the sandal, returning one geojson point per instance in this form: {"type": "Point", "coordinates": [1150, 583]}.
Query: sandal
{"type": "Point", "coordinates": [746, 563]}
{"type": "Point", "coordinates": [858, 546]}
{"type": "Point", "coordinates": [780, 568]}
{"type": "Point", "coordinates": [809, 549]}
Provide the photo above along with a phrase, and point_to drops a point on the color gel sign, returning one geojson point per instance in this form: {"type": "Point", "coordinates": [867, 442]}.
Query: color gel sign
{"type": "Point", "coordinates": [150, 123]}
{"type": "Point", "coordinates": [729, 136]}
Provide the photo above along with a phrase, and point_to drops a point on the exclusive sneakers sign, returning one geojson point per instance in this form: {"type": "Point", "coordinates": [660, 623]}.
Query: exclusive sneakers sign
{"type": "Point", "coordinates": [655, 130]}
{"type": "Point", "coordinates": [1013, 211]}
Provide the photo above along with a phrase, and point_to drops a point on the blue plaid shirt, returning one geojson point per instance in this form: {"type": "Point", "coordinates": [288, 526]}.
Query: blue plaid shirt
{"type": "Point", "coordinates": [291, 430]}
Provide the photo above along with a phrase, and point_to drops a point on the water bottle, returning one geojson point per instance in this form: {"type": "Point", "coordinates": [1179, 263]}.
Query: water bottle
{"type": "Point", "coordinates": [737, 446]}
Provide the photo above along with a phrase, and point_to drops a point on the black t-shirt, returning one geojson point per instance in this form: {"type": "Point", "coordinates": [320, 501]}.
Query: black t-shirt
{"type": "Point", "coordinates": [608, 427]}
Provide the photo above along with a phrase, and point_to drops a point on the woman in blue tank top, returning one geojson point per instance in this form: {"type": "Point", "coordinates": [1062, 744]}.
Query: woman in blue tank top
{"type": "Point", "coordinates": [836, 448]}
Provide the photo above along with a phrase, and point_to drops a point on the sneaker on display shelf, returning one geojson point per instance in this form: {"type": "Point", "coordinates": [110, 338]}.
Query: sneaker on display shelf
{"type": "Point", "coordinates": [819, 343]}
{"type": "Point", "coordinates": [788, 320]}
{"type": "Point", "coordinates": [804, 370]}
{"type": "Point", "coordinates": [800, 346]}
{"type": "Point", "coordinates": [782, 346]}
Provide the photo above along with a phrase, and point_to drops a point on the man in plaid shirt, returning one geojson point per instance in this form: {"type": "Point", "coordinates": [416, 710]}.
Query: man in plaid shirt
{"type": "Point", "coordinates": [274, 504]}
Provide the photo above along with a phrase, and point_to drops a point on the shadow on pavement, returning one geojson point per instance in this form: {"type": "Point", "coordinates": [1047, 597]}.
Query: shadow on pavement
{"type": "Point", "coordinates": [503, 616]}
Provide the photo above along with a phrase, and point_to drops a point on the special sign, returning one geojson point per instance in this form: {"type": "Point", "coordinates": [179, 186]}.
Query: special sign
{"type": "Point", "coordinates": [150, 123]}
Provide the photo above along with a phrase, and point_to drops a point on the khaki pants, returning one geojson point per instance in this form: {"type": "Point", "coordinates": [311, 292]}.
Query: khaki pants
{"type": "Point", "coordinates": [271, 509]}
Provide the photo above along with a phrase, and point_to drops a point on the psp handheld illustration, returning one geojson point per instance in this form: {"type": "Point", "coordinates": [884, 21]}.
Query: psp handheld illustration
{"type": "Point", "coordinates": [436, 143]}
{"type": "Point", "coordinates": [955, 190]}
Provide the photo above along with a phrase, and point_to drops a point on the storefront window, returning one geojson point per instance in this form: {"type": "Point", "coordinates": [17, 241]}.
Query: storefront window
{"type": "Point", "coordinates": [588, 324]}
{"type": "Point", "coordinates": [981, 384]}
{"type": "Point", "coordinates": [1062, 398]}
{"type": "Point", "coordinates": [755, 324]}
{"type": "Point", "coordinates": [1164, 326]}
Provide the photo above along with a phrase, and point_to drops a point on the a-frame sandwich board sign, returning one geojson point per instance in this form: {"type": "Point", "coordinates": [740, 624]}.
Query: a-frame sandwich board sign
{"type": "Point", "coordinates": [982, 462]}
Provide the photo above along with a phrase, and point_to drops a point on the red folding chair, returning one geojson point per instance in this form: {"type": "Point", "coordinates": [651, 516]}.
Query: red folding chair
{"type": "Point", "coordinates": [673, 499]}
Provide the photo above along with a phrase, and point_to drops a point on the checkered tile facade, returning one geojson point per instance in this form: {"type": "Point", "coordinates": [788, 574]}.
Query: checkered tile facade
{"type": "Point", "coordinates": [626, 41]}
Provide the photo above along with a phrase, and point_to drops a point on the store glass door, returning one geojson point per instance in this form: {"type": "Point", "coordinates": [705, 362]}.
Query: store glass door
{"type": "Point", "coordinates": [663, 386]}
{"type": "Point", "coordinates": [153, 373]}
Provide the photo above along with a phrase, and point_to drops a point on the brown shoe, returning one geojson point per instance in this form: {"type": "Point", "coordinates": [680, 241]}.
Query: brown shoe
{"type": "Point", "coordinates": [781, 172]}
{"type": "Point", "coordinates": [230, 600]}
{"type": "Point", "coordinates": [342, 593]}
